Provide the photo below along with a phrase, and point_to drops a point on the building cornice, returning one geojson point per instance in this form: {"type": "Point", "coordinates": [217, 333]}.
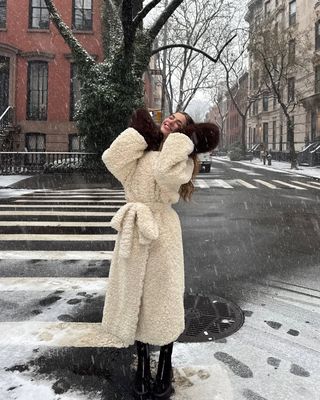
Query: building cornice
{"type": "Point", "coordinates": [37, 55]}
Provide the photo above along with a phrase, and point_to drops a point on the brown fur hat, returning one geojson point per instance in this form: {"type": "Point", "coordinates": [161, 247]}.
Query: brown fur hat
{"type": "Point", "coordinates": [142, 121]}
{"type": "Point", "coordinates": [205, 136]}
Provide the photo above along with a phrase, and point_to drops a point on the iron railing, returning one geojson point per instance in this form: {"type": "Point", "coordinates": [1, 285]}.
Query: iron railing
{"type": "Point", "coordinates": [38, 162]}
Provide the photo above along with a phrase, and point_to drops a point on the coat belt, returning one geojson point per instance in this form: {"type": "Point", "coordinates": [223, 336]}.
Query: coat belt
{"type": "Point", "coordinates": [131, 218]}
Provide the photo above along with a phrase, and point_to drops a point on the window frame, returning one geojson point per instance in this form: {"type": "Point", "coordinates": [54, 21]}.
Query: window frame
{"type": "Point", "coordinates": [42, 6]}
{"type": "Point", "coordinates": [3, 11]}
{"type": "Point", "coordinates": [36, 135]}
{"type": "Point", "coordinates": [83, 27]}
{"type": "Point", "coordinates": [41, 92]}
{"type": "Point", "coordinates": [74, 81]}
{"type": "Point", "coordinates": [317, 35]}
{"type": "Point", "coordinates": [291, 89]}
{"type": "Point", "coordinates": [292, 51]}
{"type": "Point", "coordinates": [317, 81]}
{"type": "Point", "coordinates": [292, 15]}
{"type": "Point", "coordinates": [265, 102]}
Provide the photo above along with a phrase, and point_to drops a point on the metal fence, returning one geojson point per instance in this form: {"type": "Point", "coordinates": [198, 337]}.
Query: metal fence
{"type": "Point", "coordinates": [37, 162]}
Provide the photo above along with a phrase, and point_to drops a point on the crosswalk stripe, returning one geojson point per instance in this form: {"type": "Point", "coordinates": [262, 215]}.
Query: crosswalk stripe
{"type": "Point", "coordinates": [314, 183]}
{"type": "Point", "coordinates": [54, 334]}
{"type": "Point", "coordinates": [55, 255]}
{"type": "Point", "coordinates": [65, 206]}
{"type": "Point", "coordinates": [219, 183]}
{"type": "Point", "coordinates": [289, 185]}
{"type": "Point", "coordinates": [201, 183]}
{"type": "Point", "coordinates": [246, 171]}
{"type": "Point", "coordinates": [54, 196]}
{"type": "Point", "coordinates": [52, 283]}
{"type": "Point", "coordinates": [70, 201]}
{"type": "Point", "coordinates": [307, 185]}
{"type": "Point", "coordinates": [267, 184]}
{"type": "Point", "coordinates": [59, 213]}
{"type": "Point", "coordinates": [83, 224]}
{"type": "Point", "coordinates": [246, 184]}
{"type": "Point", "coordinates": [40, 237]}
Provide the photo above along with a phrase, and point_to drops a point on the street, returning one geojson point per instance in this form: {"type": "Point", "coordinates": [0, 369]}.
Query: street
{"type": "Point", "coordinates": [251, 236]}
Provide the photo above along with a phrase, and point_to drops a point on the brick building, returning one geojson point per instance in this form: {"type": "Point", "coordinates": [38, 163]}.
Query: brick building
{"type": "Point", "coordinates": [38, 76]}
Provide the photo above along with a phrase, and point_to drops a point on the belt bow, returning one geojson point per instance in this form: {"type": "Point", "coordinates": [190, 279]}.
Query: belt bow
{"type": "Point", "coordinates": [134, 217]}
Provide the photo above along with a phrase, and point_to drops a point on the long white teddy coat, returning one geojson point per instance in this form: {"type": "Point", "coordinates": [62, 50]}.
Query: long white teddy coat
{"type": "Point", "coordinates": [144, 299]}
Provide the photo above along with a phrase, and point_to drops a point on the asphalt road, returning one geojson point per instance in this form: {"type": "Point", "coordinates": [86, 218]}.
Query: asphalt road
{"type": "Point", "coordinates": [248, 237]}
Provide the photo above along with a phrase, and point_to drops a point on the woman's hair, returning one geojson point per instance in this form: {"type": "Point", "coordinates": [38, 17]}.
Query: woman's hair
{"type": "Point", "coordinates": [186, 190]}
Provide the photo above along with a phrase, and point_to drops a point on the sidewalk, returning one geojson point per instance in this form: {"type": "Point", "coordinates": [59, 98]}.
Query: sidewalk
{"type": "Point", "coordinates": [280, 166]}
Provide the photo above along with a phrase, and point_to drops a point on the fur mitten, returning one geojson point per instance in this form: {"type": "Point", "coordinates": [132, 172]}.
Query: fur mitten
{"type": "Point", "coordinates": [142, 121]}
{"type": "Point", "coordinates": [205, 136]}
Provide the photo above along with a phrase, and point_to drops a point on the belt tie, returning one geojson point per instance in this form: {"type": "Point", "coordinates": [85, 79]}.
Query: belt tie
{"type": "Point", "coordinates": [134, 217]}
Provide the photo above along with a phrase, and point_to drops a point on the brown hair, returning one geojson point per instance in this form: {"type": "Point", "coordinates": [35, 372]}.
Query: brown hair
{"type": "Point", "coordinates": [186, 190]}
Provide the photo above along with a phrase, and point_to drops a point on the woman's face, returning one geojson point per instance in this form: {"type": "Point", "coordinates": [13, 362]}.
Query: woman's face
{"type": "Point", "coordinates": [174, 123]}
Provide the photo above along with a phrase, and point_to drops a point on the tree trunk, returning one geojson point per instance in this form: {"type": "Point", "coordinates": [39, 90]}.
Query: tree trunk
{"type": "Point", "coordinates": [290, 139]}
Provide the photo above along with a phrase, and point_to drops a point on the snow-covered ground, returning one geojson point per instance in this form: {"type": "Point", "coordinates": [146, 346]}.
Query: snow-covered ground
{"type": "Point", "coordinates": [278, 166]}
{"type": "Point", "coordinates": [6, 181]}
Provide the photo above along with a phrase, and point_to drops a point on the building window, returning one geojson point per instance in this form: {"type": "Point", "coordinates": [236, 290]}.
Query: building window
{"type": "Point", "coordinates": [267, 8]}
{"type": "Point", "coordinates": [74, 90]}
{"type": "Point", "coordinates": [256, 77]}
{"type": "Point", "coordinates": [37, 103]}
{"type": "Point", "coordinates": [82, 15]}
{"type": "Point", "coordinates": [3, 13]}
{"type": "Point", "coordinates": [313, 125]}
{"type": "Point", "coordinates": [265, 102]}
{"type": "Point", "coordinates": [36, 142]}
{"type": "Point", "coordinates": [255, 109]}
{"type": "Point", "coordinates": [317, 35]}
{"type": "Point", "coordinates": [292, 51]}
{"type": "Point", "coordinates": [274, 133]}
{"type": "Point", "coordinates": [265, 133]}
{"type": "Point", "coordinates": [38, 15]}
{"type": "Point", "coordinates": [291, 90]}
{"type": "Point", "coordinates": [317, 79]}
{"type": "Point", "coordinates": [75, 143]}
{"type": "Point", "coordinates": [292, 12]}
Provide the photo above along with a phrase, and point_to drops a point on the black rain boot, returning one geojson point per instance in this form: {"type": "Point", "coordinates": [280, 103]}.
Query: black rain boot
{"type": "Point", "coordinates": [163, 388]}
{"type": "Point", "coordinates": [142, 383]}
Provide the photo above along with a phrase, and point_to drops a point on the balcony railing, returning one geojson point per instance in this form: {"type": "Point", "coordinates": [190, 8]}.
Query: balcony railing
{"type": "Point", "coordinates": [38, 162]}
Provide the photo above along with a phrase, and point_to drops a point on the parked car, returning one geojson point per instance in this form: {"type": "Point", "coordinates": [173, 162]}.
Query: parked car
{"type": "Point", "coordinates": [205, 162]}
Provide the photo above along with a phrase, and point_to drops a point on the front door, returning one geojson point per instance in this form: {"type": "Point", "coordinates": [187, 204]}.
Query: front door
{"type": "Point", "coordinates": [4, 83]}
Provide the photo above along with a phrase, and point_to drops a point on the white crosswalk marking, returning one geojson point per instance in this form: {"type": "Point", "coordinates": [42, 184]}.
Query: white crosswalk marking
{"type": "Point", "coordinates": [289, 185]}
{"type": "Point", "coordinates": [307, 185]}
{"type": "Point", "coordinates": [79, 238]}
{"type": "Point", "coordinates": [46, 284]}
{"type": "Point", "coordinates": [246, 184]}
{"type": "Point", "coordinates": [55, 223]}
{"type": "Point", "coordinates": [267, 184]}
{"type": "Point", "coordinates": [219, 183]}
{"type": "Point", "coordinates": [59, 213]}
{"type": "Point", "coordinates": [55, 255]}
{"type": "Point", "coordinates": [62, 200]}
{"type": "Point", "coordinates": [56, 333]}
{"type": "Point", "coordinates": [315, 183]}
{"type": "Point", "coordinates": [201, 183]}
{"type": "Point", "coordinates": [246, 171]}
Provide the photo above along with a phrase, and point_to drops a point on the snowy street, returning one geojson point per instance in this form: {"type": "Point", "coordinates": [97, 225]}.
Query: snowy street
{"type": "Point", "coordinates": [251, 235]}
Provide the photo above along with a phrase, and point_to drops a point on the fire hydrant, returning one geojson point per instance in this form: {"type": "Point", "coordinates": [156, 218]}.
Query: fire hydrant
{"type": "Point", "coordinates": [269, 157]}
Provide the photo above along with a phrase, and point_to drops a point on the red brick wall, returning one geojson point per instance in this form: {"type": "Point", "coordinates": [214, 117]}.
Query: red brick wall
{"type": "Point", "coordinates": [24, 40]}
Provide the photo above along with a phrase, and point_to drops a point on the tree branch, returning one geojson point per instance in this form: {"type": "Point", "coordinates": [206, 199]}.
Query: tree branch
{"type": "Point", "coordinates": [79, 53]}
{"type": "Point", "coordinates": [164, 16]}
{"type": "Point", "coordinates": [127, 25]}
{"type": "Point", "coordinates": [144, 12]}
{"type": "Point", "coordinates": [186, 46]}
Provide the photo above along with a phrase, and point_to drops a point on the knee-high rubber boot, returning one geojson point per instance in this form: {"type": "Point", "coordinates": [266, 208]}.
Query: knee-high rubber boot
{"type": "Point", "coordinates": [163, 388]}
{"type": "Point", "coordinates": [142, 383]}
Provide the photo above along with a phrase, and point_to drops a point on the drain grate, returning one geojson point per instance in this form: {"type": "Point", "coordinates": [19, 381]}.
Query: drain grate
{"type": "Point", "coordinates": [210, 318]}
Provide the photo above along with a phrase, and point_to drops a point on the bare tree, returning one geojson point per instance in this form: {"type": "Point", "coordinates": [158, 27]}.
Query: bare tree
{"type": "Point", "coordinates": [280, 55]}
{"type": "Point", "coordinates": [204, 24]}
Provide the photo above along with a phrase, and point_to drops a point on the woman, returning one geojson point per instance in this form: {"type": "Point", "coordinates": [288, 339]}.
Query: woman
{"type": "Point", "coordinates": [144, 300]}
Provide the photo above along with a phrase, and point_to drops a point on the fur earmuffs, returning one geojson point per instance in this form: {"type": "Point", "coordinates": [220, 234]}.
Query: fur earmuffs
{"type": "Point", "coordinates": [205, 136]}
{"type": "Point", "coordinates": [142, 121]}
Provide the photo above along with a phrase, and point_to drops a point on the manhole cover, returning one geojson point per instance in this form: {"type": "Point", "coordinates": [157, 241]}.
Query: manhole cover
{"type": "Point", "coordinates": [209, 318]}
